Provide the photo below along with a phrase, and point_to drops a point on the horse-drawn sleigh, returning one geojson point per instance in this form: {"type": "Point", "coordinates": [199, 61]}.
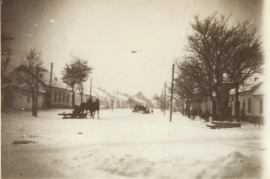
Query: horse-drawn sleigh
{"type": "Point", "coordinates": [82, 110]}
{"type": "Point", "coordinates": [141, 109]}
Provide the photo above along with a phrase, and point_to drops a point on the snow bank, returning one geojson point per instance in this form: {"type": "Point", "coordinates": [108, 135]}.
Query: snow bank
{"type": "Point", "coordinates": [234, 165]}
{"type": "Point", "coordinates": [125, 164]}
{"type": "Point", "coordinates": [122, 144]}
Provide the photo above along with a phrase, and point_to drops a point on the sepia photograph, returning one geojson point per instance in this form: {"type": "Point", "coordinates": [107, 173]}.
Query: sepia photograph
{"type": "Point", "coordinates": [123, 89]}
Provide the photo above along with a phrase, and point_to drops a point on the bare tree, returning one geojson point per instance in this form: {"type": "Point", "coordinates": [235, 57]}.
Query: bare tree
{"type": "Point", "coordinates": [6, 52]}
{"type": "Point", "coordinates": [217, 47]}
{"type": "Point", "coordinates": [162, 102]}
{"type": "Point", "coordinates": [69, 73]}
{"type": "Point", "coordinates": [185, 84]}
{"type": "Point", "coordinates": [159, 100]}
{"type": "Point", "coordinates": [25, 75]}
{"type": "Point", "coordinates": [76, 73]}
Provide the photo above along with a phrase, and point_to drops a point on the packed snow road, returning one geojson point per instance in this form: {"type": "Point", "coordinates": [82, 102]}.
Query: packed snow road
{"type": "Point", "coordinates": [122, 144]}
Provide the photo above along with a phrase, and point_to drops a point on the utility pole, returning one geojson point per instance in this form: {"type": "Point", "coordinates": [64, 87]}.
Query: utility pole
{"type": "Point", "coordinates": [172, 93]}
{"type": "Point", "coordinates": [116, 105]}
{"type": "Point", "coordinates": [113, 100]}
{"type": "Point", "coordinates": [36, 92]}
{"type": "Point", "coordinates": [165, 99]}
{"type": "Point", "coordinates": [50, 88]}
{"type": "Point", "coordinates": [91, 88]}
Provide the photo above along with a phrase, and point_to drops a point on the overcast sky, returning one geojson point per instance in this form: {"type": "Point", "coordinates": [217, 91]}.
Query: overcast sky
{"type": "Point", "coordinates": [104, 32]}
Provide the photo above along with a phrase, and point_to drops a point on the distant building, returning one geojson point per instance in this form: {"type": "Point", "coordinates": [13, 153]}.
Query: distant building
{"type": "Point", "coordinates": [5, 92]}
{"type": "Point", "coordinates": [54, 95]}
{"type": "Point", "coordinates": [144, 100]}
{"type": "Point", "coordinates": [251, 99]}
{"type": "Point", "coordinates": [61, 94]}
{"type": "Point", "coordinates": [17, 95]}
{"type": "Point", "coordinates": [251, 103]}
{"type": "Point", "coordinates": [122, 100]}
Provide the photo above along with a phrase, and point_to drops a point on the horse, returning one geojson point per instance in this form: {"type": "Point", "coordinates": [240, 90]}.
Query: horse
{"type": "Point", "coordinates": [91, 106]}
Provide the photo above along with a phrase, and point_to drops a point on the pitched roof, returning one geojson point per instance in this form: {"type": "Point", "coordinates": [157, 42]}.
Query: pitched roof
{"type": "Point", "coordinates": [105, 93]}
{"type": "Point", "coordinates": [141, 96]}
{"type": "Point", "coordinates": [56, 81]}
{"type": "Point", "coordinates": [122, 96]}
{"type": "Point", "coordinates": [99, 93]}
{"type": "Point", "coordinates": [258, 89]}
{"type": "Point", "coordinates": [251, 84]}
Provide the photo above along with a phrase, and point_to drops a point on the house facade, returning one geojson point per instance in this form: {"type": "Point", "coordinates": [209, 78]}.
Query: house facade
{"type": "Point", "coordinates": [251, 102]}
{"type": "Point", "coordinates": [53, 93]}
{"type": "Point", "coordinates": [121, 101]}
{"type": "Point", "coordinates": [61, 98]}
{"type": "Point", "coordinates": [142, 99]}
{"type": "Point", "coordinates": [18, 96]}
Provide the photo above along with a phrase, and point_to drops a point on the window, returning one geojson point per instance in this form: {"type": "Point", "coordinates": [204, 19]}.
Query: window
{"type": "Point", "coordinates": [59, 100]}
{"type": "Point", "coordinates": [244, 105]}
{"type": "Point", "coordinates": [261, 105]}
{"type": "Point", "coordinates": [64, 97]}
{"type": "Point", "coordinates": [77, 100]}
{"type": "Point", "coordinates": [67, 98]}
{"type": "Point", "coordinates": [28, 99]}
{"type": "Point", "coordinates": [55, 96]}
{"type": "Point", "coordinates": [249, 105]}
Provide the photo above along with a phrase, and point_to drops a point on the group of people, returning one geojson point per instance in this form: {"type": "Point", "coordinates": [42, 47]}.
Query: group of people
{"type": "Point", "coordinates": [142, 109]}
{"type": "Point", "coordinates": [191, 113]}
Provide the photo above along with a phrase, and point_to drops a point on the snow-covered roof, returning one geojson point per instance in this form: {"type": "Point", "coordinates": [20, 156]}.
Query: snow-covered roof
{"type": "Point", "coordinates": [259, 90]}
{"type": "Point", "coordinates": [122, 97]}
{"type": "Point", "coordinates": [139, 100]}
{"type": "Point", "coordinates": [100, 93]}
{"type": "Point", "coordinates": [251, 83]}
{"type": "Point", "coordinates": [145, 100]}
{"type": "Point", "coordinates": [56, 81]}
{"type": "Point", "coordinates": [105, 93]}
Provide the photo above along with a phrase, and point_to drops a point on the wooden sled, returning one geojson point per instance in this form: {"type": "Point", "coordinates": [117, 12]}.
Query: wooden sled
{"type": "Point", "coordinates": [73, 115]}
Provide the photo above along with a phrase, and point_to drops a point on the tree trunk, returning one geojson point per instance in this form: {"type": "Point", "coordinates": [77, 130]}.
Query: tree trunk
{"type": "Point", "coordinates": [218, 107]}
{"type": "Point", "coordinates": [206, 104]}
{"type": "Point", "coordinates": [183, 109]}
{"type": "Point", "coordinates": [81, 97]}
{"type": "Point", "coordinates": [214, 109]}
{"type": "Point", "coordinates": [236, 109]}
{"type": "Point", "coordinates": [73, 99]}
{"type": "Point", "coordinates": [188, 110]}
{"type": "Point", "coordinates": [33, 102]}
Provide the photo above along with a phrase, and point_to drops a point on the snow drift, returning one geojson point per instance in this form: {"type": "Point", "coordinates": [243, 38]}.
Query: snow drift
{"type": "Point", "coordinates": [124, 145]}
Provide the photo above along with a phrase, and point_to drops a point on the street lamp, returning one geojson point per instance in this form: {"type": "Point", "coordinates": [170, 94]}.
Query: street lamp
{"type": "Point", "coordinates": [225, 77]}
{"type": "Point", "coordinates": [225, 96]}
{"type": "Point", "coordinates": [214, 94]}
{"type": "Point", "coordinates": [236, 83]}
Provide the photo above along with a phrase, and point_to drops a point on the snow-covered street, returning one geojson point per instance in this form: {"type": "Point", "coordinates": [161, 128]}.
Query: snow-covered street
{"type": "Point", "coordinates": [122, 144]}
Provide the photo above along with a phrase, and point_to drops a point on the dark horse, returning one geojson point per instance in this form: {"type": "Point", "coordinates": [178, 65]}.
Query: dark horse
{"type": "Point", "coordinates": [91, 106]}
